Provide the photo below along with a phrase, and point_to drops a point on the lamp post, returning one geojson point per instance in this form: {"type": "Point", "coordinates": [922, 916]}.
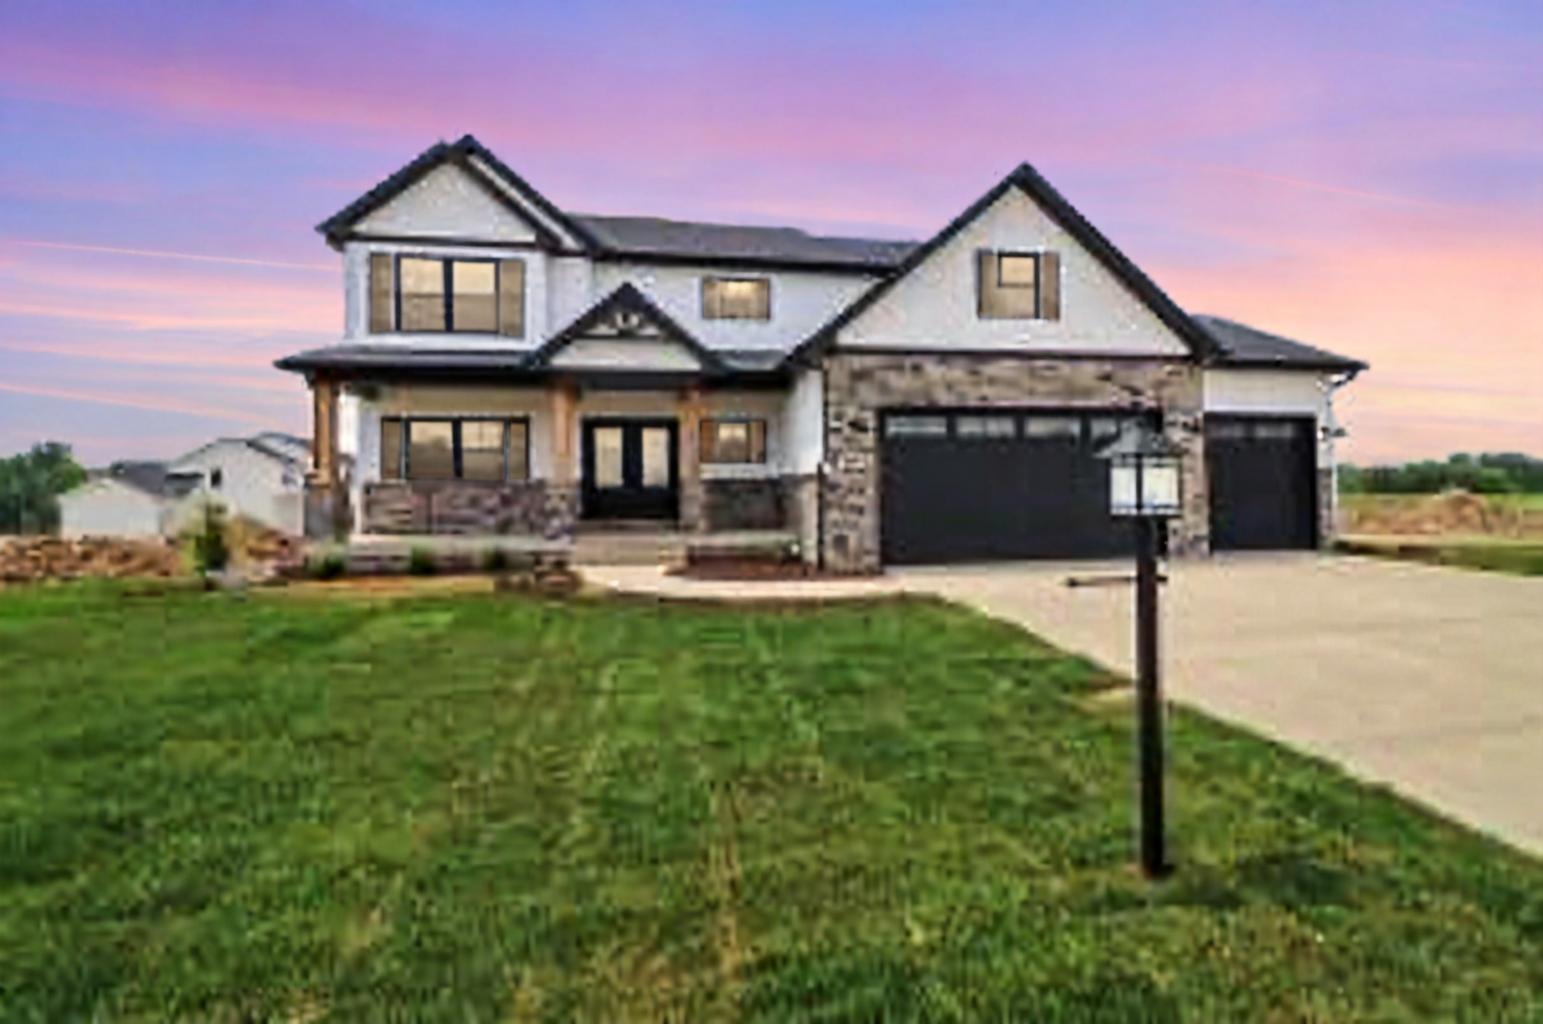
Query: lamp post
{"type": "Point", "coordinates": [1144, 487]}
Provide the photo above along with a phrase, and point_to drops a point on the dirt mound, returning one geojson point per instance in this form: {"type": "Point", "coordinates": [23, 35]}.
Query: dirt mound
{"type": "Point", "coordinates": [30, 559]}
{"type": "Point", "coordinates": [1451, 512]}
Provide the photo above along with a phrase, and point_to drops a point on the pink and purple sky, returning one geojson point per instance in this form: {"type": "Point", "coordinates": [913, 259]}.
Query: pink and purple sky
{"type": "Point", "coordinates": [1365, 176]}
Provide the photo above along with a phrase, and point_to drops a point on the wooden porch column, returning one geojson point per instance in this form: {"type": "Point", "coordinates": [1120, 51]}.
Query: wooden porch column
{"type": "Point", "coordinates": [324, 432]}
{"type": "Point", "coordinates": [325, 505]}
{"type": "Point", "coordinates": [692, 512]}
{"type": "Point", "coordinates": [564, 397]}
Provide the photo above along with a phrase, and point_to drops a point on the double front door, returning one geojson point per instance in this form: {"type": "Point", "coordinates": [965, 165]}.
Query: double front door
{"type": "Point", "coordinates": [630, 469]}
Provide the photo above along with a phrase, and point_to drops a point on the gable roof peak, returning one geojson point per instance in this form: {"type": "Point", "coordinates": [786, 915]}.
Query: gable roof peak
{"type": "Point", "coordinates": [486, 168]}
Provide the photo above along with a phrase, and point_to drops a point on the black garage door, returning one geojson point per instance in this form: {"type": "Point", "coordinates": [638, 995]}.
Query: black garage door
{"type": "Point", "coordinates": [1264, 491]}
{"type": "Point", "coordinates": [972, 485]}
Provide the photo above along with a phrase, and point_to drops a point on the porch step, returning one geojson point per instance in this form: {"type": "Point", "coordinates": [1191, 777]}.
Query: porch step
{"type": "Point", "coordinates": [629, 547]}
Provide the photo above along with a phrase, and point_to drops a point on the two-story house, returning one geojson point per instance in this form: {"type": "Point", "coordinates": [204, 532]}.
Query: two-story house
{"type": "Point", "coordinates": [510, 367]}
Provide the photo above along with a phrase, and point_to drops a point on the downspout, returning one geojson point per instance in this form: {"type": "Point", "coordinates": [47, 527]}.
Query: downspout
{"type": "Point", "coordinates": [819, 472]}
{"type": "Point", "coordinates": [1332, 432]}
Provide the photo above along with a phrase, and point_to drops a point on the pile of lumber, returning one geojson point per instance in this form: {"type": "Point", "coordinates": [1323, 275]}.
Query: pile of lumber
{"type": "Point", "coordinates": [31, 559]}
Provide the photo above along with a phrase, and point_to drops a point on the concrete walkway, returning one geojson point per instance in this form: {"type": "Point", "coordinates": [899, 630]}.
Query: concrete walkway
{"type": "Point", "coordinates": [1428, 679]}
{"type": "Point", "coordinates": [654, 580]}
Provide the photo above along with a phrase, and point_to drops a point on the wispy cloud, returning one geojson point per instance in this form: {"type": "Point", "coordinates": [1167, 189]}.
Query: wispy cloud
{"type": "Point", "coordinates": [162, 254]}
{"type": "Point", "coordinates": [146, 403]}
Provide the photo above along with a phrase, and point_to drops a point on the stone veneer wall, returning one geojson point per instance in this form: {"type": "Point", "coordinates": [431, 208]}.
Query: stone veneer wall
{"type": "Point", "coordinates": [859, 386]}
{"type": "Point", "coordinates": [466, 507]}
{"type": "Point", "coordinates": [1328, 529]}
{"type": "Point", "coordinates": [752, 504]}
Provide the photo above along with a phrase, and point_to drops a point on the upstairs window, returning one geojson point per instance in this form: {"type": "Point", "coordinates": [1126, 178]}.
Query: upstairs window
{"type": "Point", "coordinates": [1018, 285]}
{"type": "Point", "coordinates": [736, 298]}
{"type": "Point", "coordinates": [423, 294]}
{"type": "Point", "coordinates": [733, 441]}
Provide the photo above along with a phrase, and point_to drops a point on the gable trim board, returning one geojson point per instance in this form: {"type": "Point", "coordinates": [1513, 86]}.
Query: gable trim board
{"type": "Point", "coordinates": [1040, 191]}
{"type": "Point", "coordinates": [626, 300]}
{"type": "Point", "coordinates": [338, 228]}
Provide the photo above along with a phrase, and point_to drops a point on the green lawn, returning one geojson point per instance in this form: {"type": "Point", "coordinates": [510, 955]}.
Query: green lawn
{"type": "Point", "coordinates": [1492, 554]}
{"type": "Point", "coordinates": [497, 808]}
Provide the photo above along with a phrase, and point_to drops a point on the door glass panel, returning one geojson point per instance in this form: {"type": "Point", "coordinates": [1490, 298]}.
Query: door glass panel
{"type": "Point", "coordinates": [608, 460]}
{"type": "Point", "coordinates": [656, 457]}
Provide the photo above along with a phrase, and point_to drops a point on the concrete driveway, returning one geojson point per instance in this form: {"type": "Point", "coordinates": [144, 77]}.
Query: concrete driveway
{"type": "Point", "coordinates": [1425, 678]}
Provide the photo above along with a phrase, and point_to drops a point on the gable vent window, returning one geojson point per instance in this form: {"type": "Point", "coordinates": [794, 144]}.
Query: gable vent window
{"type": "Point", "coordinates": [1018, 285]}
{"type": "Point", "coordinates": [736, 298]}
{"type": "Point", "coordinates": [416, 293]}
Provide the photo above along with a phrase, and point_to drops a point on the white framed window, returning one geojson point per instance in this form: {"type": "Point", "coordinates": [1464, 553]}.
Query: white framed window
{"type": "Point", "coordinates": [736, 298]}
{"type": "Point", "coordinates": [733, 441]}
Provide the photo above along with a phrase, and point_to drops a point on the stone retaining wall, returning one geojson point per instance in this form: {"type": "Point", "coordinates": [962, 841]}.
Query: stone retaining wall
{"type": "Point", "coordinates": [758, 504]}
{"type": "Point", "coordinates": [467, 507]}
{"type": "Point", "coordinates": [859, 386]}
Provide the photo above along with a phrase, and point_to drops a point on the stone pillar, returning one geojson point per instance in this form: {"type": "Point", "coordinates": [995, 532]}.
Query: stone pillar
{"type": "Point", "coordinates": [692, 408]}
{"type": "Point", "coordinates": [326, 507]}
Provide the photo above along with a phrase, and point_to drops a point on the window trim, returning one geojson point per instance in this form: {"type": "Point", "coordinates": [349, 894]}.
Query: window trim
{"type": "Point", "coordinates": [709, 279]}
{"type": "Point", "coordinates": [749, 422]}
{"type": "Point", "coordinates": [1037, 255]}
{"type": "Point", "coordinates": [446, 267]}
{"type": "Point", "coordinates": [404, 459]}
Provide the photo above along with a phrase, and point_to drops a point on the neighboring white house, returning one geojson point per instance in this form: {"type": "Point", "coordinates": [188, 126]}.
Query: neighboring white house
{"type": "Point", "coordinates": [128, 499]}
{"type": "Point", "coordinates": [508, 366]}
{"type": "Point", "coordinates": [261, 478]}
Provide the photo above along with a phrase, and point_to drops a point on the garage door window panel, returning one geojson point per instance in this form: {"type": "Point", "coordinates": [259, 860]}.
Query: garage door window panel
{"type": "Point", "coordinates": [986, 427]}
{"type": "Point", "coordinates": [916, 426]}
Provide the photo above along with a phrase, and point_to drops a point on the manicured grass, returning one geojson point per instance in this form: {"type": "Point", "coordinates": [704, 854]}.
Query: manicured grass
{"type": "Point", "coordinates": [483, 808]}
{"type": "Point", "coordinates": [1519, 558]}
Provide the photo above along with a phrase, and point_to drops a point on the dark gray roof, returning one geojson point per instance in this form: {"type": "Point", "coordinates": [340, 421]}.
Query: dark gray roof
{"type": "Point", "coordinates": [152, 478]}
{"type": "Point", "coordinates": [685, 240]}
{"type": "Point", "coordinates": [514, 363]}
{"type": "Point", "coordinates": [1241, 345]}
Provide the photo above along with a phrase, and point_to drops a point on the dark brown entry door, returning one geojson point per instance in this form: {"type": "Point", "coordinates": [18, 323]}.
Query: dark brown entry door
{"type": "Point", "coordinates": [630, 469]}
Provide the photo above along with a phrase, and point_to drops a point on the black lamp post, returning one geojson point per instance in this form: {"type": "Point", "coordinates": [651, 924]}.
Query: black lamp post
{"type": "Point", "coordinates": [1144, 487]}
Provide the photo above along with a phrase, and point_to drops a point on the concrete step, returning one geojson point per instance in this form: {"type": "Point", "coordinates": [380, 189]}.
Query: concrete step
{"type": "Point", "coordinates": [629, 547]}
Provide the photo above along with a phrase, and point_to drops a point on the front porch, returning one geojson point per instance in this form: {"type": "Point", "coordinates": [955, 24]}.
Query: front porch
{"type": "Point", "coordinates": [555, 462]}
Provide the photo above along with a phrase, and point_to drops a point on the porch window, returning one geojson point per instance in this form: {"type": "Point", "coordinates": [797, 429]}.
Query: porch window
{"type": "Point", "coordinates": [466, 448]}
{"type": "Point", "coordinates": [437, 295]}
{"type": "Point", "coordinates": [733, 441]}
{"type": "Point", "coordinates": [736, 298]}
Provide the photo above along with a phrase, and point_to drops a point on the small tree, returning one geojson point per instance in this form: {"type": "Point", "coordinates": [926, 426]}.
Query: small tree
{"type": "Point", "coordinates": [211, 548]}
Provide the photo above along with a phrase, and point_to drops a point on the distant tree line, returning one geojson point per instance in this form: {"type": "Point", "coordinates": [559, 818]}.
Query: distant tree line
{"type": "Point", "coordinates": [30, 485]}
{"type": "Point", "coordinates": [1489, 473]}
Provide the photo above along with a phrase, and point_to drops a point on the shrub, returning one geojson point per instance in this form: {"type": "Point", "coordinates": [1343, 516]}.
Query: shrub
{"type": "Point", "coordinates": [495, 560]}
{"type": "Point", "coordinates": [211, 547]}
{"type": "Point", "coordinates": [420, 562]}
{"type": "Point", "coordinates": [328, 567]}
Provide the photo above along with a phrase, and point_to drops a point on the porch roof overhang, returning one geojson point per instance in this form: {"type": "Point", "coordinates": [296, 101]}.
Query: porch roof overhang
{"type": "Point", "coordinates": [396, 362]}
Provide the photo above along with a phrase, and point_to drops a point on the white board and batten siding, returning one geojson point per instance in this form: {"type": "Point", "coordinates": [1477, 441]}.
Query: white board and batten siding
{"type": "Point", "coordinates": [253, 484]}
{"type": "Point", "coordinates": [935, 305]}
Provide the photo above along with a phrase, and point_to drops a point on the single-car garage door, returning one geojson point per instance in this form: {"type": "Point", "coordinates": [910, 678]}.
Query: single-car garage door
{"type": "Point", "coordinates": [1263, 483]}
{"type": "Point", "coordinates": [987, 484]}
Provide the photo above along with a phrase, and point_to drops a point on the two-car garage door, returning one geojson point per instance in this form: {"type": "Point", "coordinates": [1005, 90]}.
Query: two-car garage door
{"type": "Point", "coordinates": [986, 484]}
{"type": "Point", "coordinates": [970, 485]}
